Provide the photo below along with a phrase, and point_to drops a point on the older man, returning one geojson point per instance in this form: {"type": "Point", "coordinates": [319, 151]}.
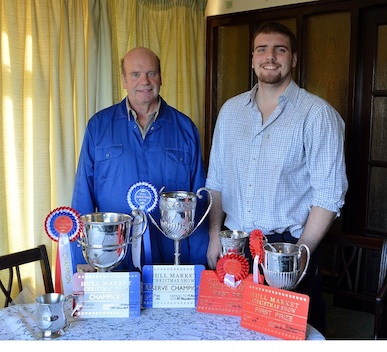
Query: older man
{"type": "Point", "coordinates": [141, 139]}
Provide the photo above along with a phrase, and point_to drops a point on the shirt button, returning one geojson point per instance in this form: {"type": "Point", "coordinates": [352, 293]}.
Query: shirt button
{"type": "Point", "coordinates": [107, 155]}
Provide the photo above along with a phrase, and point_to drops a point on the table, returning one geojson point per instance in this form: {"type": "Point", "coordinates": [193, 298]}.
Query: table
{"type": "Point", "coordinates": [17, 323]}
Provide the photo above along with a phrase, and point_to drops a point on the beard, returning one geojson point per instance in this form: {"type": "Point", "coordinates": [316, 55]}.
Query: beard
{"type": "Point", "coordinates": [270, 79]}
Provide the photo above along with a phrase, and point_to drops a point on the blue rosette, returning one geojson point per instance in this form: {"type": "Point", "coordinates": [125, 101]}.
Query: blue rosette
{"type": "Point", "coordinates": [143, 196]}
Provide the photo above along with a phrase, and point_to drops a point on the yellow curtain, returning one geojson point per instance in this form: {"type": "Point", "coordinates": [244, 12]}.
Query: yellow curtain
{"type": "Point", "coordinates": [59, 65]}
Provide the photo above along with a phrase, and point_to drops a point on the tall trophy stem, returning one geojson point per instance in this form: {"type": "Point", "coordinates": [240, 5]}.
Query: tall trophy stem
{"type": "Point", "coordinates": [177, 252]}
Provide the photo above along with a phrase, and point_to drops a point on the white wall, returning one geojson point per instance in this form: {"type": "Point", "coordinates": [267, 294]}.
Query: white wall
{"type": "Point", "coordinates": [218, 7]}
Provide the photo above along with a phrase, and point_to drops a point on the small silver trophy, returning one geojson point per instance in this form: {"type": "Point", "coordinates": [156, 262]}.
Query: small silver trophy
{"type": "Point", "coordinates": [177, 215]}
{"type": "Point", "coordinates": [282, 264]}
{"type": "Point", "coordinates": [106, 236]}
{"type": "Point", "coordinates": [233, 241]}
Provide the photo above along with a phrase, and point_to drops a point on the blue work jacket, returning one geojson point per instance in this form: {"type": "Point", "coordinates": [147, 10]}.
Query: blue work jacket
{"type": "Point", "coordinates": [114, 156]}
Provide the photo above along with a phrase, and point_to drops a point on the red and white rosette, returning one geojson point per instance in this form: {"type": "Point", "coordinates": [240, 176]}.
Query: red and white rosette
{"type": "Point", "coordinates": [232, 268]}
{"type": "Point", "coordinates": [63, 225]}
{"type": "Point", "coordinates": [256, 243]}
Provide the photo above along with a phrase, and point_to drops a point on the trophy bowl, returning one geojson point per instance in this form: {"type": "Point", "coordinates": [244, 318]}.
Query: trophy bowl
{"type": "Point", "coordinates": [105, 238]}
{"type": "Point", "coordinates": [282, 264]}
{"type": "Point", "coordinates": [285, 280]}
{"type": "Point", "coordinates": [177, 215]}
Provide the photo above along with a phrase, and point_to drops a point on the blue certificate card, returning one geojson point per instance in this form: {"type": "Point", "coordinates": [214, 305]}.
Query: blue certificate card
{"type": "Point", "coordinates": [171, 286]}
{"type": "Point", "coordinates": [107, 294]}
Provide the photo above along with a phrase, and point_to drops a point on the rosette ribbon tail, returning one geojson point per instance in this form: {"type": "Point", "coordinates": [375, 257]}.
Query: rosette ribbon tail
{"type": "Point", "coordinates": [136, 249]}
{"type": "Point", "coordinates": [255, 270]}
{"type": "Point", "coordinates": [147, 247]}
{"type": "Point", "coordinates": [58, 279]}
{"type": "Point", "coordinates": [229, 280]}
{"type": "Point", "coordinates": [66, 266]}
{"type": "Point", "coordinates": [140, 232]}
{"type": "Point", "coordinates": [258, 277]}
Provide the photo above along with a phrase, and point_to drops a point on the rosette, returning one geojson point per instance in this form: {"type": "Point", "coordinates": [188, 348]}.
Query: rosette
{"type": "Point", "coordinates": [142, 195]}
{"type": "Point", "coordinates": [63, 220]}
{"type": "Point", "coordinates": [63, 225]}
{"type": "Point", "coordinates": [233, 265]}
{"type": "Point", "coordinates": [256, 244]}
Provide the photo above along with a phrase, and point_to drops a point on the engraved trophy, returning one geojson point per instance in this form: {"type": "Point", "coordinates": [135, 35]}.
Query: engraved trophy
{"type": "Point", "coordinates": [177, 215]}
{"type": "Point", "coordinates": [106, 236]}
{"type": "Point", "coordinates": [233, 241]}
{"type": "Point", "coordinates": [282, 264]}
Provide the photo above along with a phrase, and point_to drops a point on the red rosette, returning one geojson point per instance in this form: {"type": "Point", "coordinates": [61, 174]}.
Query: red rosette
{"type": "Point", "coordinates": [232, 264]}
{"type": "Point", "coordinates": [256, 244]}
{"type": "Point", "coordinates": [63, 220]}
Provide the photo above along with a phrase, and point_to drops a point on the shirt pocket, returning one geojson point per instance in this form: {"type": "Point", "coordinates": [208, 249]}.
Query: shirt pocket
{"type": "Point", "coordinates": [108, 162]}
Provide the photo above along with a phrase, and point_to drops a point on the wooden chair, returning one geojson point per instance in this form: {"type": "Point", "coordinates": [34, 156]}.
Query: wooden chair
{"type": "Point", "coordinates": [354, 268]}
{"type": "Point", "coordinates": [12, 263]}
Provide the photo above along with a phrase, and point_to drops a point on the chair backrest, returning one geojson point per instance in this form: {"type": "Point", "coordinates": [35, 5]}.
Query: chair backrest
{"type": "Point", "coordinates": [356, 268]}
{"type": "Point", "coordinates": [352, 259]}
{"type": "Point", "coordinates": [12, 263]}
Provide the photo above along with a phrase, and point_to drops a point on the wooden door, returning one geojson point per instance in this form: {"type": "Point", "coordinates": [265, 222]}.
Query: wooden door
{"type": "Point", "coordinates": [369, 171]}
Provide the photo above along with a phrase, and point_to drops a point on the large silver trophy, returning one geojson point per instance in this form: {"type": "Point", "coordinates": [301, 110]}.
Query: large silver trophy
{"type": "Point", "coordinates": [177, 215]}
{"type": "Point", "coordinates": [106, 236]}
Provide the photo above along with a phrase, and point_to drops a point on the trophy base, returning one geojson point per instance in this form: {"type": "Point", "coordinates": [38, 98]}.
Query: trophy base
{"type": "Point", "coordinates": [50, 335]}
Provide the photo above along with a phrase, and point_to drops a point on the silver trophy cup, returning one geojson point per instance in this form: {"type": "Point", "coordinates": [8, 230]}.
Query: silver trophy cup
{"type": "Point", "coordinates": [233, 241]}
{"type": "Point", "coordinates": [177, 215]}
{"type": "Point", "coordinates": [51, 315]}
{"type": "Point", "coordinates": [282, 264]}
{"type": "Point", "coordinates": [106, 236]}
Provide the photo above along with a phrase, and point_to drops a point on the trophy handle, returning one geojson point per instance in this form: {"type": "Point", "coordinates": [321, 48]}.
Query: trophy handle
{"type": "Point", "coordinates": [153, 221]}
{"type": "Point", "coordinates": [208, 207]}
{"type": "Point", "coordinates": [306, 264]}
{"type": "Point", "coordinates": [144, 221]}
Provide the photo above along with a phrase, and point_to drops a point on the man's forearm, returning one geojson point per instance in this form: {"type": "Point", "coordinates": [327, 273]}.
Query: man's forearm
{"type": "Point", "coordinates": [216, 214]}
{"type": "Point", "coordinates": [317, 225]}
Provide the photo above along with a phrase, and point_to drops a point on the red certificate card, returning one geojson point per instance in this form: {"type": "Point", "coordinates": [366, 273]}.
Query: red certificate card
{"type": "Point", "coordinates": [275, 312]}
{"type": "Point", "coordinates": [219, 298]}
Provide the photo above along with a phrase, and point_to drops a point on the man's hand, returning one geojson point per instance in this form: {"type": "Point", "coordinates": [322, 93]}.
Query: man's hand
{"type": "Point", "coordinates": [214, 252]}
{"type": "Point", "coordinates": [85, 268]}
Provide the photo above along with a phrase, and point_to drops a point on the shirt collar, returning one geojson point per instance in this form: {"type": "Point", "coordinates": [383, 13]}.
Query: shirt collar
{"type": "Point", "coordinates": [253, 92]}
{"type": "Point", "coordinates": [290, 93]}
{"type": "Point", "coordinates": [151, 116]}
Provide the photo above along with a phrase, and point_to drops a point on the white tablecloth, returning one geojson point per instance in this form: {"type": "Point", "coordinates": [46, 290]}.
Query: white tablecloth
{"type": "Point", "coordinates": [18, 323]}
